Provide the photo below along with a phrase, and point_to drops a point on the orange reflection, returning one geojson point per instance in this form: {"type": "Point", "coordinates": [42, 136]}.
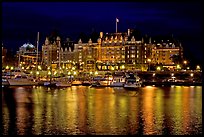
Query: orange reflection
{"type": "Point", "coordinates": [147, 108]}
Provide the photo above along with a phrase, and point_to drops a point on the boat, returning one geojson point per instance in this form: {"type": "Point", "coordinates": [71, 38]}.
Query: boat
{"type": "Point", "coordinates": [49, 84]}
{"type": "Point", "coordinates": [76, 82]}
{"type": "Point", "coordinates": [4, 81]}
{"type": "Point", "coordinates": [21, 80]}
{"type": "Point", "coordinates": [86, 83]}
{"type": "Point", "coordinates": [118, 81]}
{"type": "Point", "coordinates": [63, 82]}
{"type": "Point", "coordinates": [97, 84]}
{"type": "Point", "coordinates": [100, 81]}
{"type": "Point", "coordinates": [132, 81]}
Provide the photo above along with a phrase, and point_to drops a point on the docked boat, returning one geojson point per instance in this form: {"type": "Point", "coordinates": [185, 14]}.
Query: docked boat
{"type": "Point", "coordinates": [4, 81]}
{"type": "Point", "coordinates": [21, 80]}
{"type": "Point", "coordinates": [132, 81]}
{"type": "Point", "coordinates": [86, 83]}
{"type": "Point", "coordinates": [118, 81]}
{"type": "Point", "coordinates": [49, 84]}
{"type": "Point", "coordinates": [63, 82]}
{"type": "Point", "coordinates": [97, 84]}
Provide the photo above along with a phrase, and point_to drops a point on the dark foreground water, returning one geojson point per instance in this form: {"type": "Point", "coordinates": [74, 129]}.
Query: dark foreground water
{"type": "Point", "coordinates": [84, 110]}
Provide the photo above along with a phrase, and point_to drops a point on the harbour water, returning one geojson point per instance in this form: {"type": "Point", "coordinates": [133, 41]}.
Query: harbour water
{"type": "Point", "coordinates": [81, 110]}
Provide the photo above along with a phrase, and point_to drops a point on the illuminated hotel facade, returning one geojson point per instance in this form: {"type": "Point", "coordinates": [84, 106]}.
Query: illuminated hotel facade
{"type": "Point", "coordinates": [116, 51]}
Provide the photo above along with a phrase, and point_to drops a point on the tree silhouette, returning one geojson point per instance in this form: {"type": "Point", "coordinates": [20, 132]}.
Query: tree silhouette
{"type": "Point", "coordinates": [176, 59]}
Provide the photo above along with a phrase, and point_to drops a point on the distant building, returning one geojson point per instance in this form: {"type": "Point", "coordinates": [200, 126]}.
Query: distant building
{"type": "Point", "coordinates": [28, 55]}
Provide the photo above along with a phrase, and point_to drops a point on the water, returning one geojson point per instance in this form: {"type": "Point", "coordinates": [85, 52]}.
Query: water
{"type": "Point", "coordinates": [80, 110]}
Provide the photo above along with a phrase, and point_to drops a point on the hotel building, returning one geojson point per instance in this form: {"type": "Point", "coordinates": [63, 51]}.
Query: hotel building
{"type": "Point", "coordinates": [115, 51]}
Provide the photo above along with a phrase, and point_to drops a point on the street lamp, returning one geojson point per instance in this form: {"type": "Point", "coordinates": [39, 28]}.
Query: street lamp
{"type": "Point", "coordinates": [185, 62]}
{"type": "Point", "coordinates": [191, 74]}
{"type": "Point", "coordinates": [198, 67]}
{"type": "Point", "coordinates": [158, 68]}
{"type": "Point", "coordinates": [149, 60]}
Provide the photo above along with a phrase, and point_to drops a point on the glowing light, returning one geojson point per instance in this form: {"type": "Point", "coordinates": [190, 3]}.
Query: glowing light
{"type": "Point", "coordinates": [178, 66]}
{"type": "Point", "coordinates": [7, 67]}
{"type": "Point", "coordinates": [69, 73]}
{"type": "Point", "coordinates": [123, 67]}
{"type": "Point", "coordinates": [49, 73]}
{"type": "Point", "coordinates": [191, 74]}
{"type": "Point", "coordinates": [11, 68]}
{"type": "Point", "coordinates": [37, 73]}
{"type": "Point", "coordinates": [55, 72]}
{"type": "Point", "coordinates": [75, 73]}
{"type": "Point", "coordinates": [197, 67]}
{"type": "Point", "coordinates": [96, 73]}
{"type": "Point", "coordinates": [158, 68]}
{"type": "Point", "coordinates": [39, 67]}
{"type": "Point", "coordinates": [149, 60]}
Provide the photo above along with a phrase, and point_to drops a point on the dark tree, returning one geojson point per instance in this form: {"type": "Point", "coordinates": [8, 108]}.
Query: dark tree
{"type": "Point", "coordinates": [176, 59]}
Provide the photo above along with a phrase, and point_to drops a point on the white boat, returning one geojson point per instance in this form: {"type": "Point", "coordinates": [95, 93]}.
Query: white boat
{"type": "Point", "coordinates": [132, 81]}
{"type": "Point", "coordinates": [21, 80]}
{"type": "Point", "coordinates": [118, 81]}
{"type": "Point", "coordinates": [4, 81]}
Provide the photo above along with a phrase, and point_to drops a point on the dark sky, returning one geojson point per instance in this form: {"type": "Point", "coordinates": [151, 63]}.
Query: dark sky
{"type": "Point", "coordinates": [22, 20]}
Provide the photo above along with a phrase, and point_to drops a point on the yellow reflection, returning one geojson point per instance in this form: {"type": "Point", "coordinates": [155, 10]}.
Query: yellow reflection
{"type": "Point", "coordinates": [177, 111]}
{"type": "Point", "coordinates": [147, 107]}
{"type": "Point", "coordinates": [159, 111]}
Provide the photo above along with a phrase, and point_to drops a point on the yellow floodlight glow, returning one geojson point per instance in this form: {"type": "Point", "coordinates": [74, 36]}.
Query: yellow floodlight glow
{"type": "Point", "coordinates": [49, 73]}
{"type": "Point", "coordinates": [37, 73]}
{"type": "Point", "coordinates": [69, 73]}
{"type": "Point", "coordinates": [96, 73]}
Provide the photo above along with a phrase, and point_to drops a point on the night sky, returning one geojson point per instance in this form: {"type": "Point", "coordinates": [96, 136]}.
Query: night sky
{"type": "Point", "coordinates": [22, 20]}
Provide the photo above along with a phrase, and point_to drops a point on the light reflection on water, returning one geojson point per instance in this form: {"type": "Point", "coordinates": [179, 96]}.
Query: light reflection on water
{"type": "Point", "coordinates": [83, 110]}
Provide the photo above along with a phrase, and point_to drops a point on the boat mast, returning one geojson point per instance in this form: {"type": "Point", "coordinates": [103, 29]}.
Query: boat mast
{"type": "Point", "coordinates": [37, 52]}
{"type": "Point", "coordinates": [19, 59]}
{"type": "Point", "coordinates": [59, 57]}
